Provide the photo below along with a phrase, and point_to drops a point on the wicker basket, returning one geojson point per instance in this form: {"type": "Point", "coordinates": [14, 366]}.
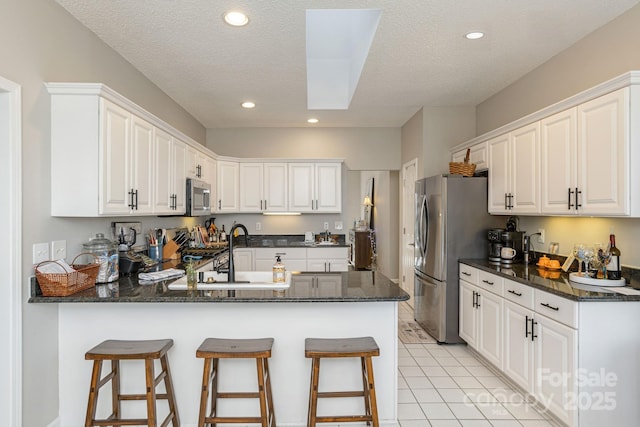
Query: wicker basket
{"type": "Point", "coordinates": [63, 284]}
{"type": "Point", "coordinates": [463, 168]}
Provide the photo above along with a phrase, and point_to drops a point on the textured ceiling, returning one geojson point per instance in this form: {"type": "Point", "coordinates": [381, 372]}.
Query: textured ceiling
{"type": "Point", "coordinates": [419, 56]}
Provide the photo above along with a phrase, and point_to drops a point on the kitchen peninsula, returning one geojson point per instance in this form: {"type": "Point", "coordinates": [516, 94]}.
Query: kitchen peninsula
{"type": "Point", "coordinates": [347, 304]}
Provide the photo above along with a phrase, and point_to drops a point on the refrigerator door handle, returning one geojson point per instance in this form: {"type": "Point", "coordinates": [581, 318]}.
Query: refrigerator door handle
{"type": "Point", "coordinates": [424, 226]}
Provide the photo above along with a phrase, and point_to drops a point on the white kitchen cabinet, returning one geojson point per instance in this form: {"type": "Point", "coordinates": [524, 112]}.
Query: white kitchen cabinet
{"type": "Point", "coordinates": [315, 187]}
{"type": "Point", "coordinates": [518, 361]}
{"type": "Point", "coordinates": [477, 155]}
{"type": "Point", "coordinates": [481, 320]}
{"type": "Point", "coordinates": [228, 186]}
{"type": "Point", "coordinates": [322, 285]}
{"type": "Point", "coordinates": [515, 169]}
{"type": "Point", "coordinates": [197, 163]}
{"type": "Point", "coordinates": [170, 174]}
{"type": "Point", "coordinates": [294, 259]}
{"type": "Point", "coordinates": [243, 259]}
{"type": "Point", "coordinates": [264, 187]}
{"type": "Point", "coordinates": [328, 259]}
{"type": "Point", "coordinates": [211, 169]}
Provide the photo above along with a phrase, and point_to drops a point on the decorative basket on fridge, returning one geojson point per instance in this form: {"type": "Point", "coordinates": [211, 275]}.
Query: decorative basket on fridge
{"type": "Point", "coordinates": [66, 283]}
{"type": "Point", "coordinates": [463, 168]}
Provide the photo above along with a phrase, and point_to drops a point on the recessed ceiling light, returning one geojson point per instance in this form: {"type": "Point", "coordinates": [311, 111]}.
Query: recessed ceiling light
{"type": "Point", "coordinates": [312, 120]}
{"type": "Point", "coordinates": [235, 18]}
{"type": "Point", "coordinates": [474, 35]}
{"type": "Point", "coordinates": [248, 104]}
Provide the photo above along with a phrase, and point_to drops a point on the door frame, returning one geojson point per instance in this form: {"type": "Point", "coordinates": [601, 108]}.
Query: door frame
{"type": "Point", "coordinates": [403, 203]}
{"type": "Point", "coordinates": [11, 262]}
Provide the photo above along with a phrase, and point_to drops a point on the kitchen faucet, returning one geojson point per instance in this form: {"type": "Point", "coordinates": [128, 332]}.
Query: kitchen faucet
{"type": "Point", "coordinates": [231, 276]}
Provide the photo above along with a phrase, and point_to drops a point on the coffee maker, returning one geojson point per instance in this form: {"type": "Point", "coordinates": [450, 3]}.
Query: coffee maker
{"type": "Point", "coordinates": [494, 235]}
{"type": "Point", "coordinates": [512, 239]}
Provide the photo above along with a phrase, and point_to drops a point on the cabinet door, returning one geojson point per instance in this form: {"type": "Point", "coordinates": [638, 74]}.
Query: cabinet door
{"type": "Point", "coordinates": [468, 314]}
{"type": "Point", "coordinates": [228, 187]}
{"type": "Point", "coordinates": [499, 176]}
{"type": "Point", "coordinates": [318, 265]}
{"type": "Point", "coordinates": [251, 196]}
{"type": "Point", "coordinates": [329, 285]}
{"type": "Point", "coordinates": [337, 265]}
{"type": "Point", "coordinates": [490, 327]}
{"type": "Point", "coordinates": [603, 155]}
{"type": "Point", "coordinates": [477, 155]}
{"type": "Point", "coordinates": [192, 162]}
{"type": "Point", "coordinates": [558, 169]}
{"type": "Point", "coordinates": [115, 141]}
{"type": "Point", "coordinates": [301, 187]}
{"type": "Point", "coordinates": [164, 180]}
{"type": "Point", "coordinates": [275, 187]}
{"type": "Point", "coordinates": [302, 285]}
{"type": "Point", "coordinates": [179, 151]}
{"type": "Point", "coordinates": [142, 173]}
{"type": "Point", "coordinates": [328, 187]}
{"type": "Point", "coordinates": [518, 346]}
{"type": "Point", "coordinates": [524, 169]}
{"type": "Point", "coordinates": [556, 361]}
{"type": "Point", "coordinates": [243, 259]}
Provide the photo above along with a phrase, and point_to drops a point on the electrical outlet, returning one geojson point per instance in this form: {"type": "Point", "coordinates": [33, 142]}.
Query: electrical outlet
{"type": "Point", "coordinates": [258, 226]}
{"type": "Point", "coordinates": [541, 235]}
{"type": "Point", "coordinates": [338, 225]}
{"type": "Point", "coordinates": [58, 249]}
{"type": "Point", "coordinates": [40, 252]}
{"type": "Point", "coordinates": [326, 225]}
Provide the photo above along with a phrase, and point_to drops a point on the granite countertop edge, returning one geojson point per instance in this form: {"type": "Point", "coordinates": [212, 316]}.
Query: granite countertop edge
{"type": "Point", "coordinates": [588, 296]}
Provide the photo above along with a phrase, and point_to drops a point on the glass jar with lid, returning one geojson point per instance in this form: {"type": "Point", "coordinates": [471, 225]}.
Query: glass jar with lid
{"type": "Point", "coordinates": [107, 253]}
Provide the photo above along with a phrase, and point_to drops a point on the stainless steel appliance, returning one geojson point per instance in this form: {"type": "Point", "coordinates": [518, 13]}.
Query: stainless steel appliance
{"type": "Point", "coordinates": [198, 198]}
{"type": "Point", "coordinates": [451, 223]}
{"type": "Point", "coordinates": [494, 235]}
{"type": "Point", "coordinates": [512, 239]}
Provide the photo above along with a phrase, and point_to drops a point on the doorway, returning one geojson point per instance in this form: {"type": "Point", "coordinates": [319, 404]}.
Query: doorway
{"type": "Point", "coordinates": [407, 253]}
{"type": "Point", "coordinates": [11, 254]}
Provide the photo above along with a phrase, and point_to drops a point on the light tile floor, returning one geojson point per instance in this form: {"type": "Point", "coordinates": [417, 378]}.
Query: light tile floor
{"type": "Point", "coordinates": [447, 385]}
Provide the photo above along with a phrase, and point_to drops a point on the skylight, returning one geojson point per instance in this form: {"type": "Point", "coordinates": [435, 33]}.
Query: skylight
{"type": "Point", "coordinates": [338, 42]}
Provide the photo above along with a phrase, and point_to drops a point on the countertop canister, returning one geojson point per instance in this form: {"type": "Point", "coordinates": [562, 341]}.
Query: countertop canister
{"type": "Point", "coordinates": [107, 253]}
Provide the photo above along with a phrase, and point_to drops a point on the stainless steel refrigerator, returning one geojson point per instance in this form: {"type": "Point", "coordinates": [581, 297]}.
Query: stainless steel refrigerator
{"type": "Point", "coordinates": [451, 223]}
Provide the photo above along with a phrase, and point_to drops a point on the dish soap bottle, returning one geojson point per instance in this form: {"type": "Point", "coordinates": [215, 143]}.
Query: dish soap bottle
{"type": "Point", "coordinates": [278, 271]}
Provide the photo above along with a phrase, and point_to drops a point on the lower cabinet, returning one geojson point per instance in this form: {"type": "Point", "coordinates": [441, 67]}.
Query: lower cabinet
{"type": "Point", "coordinates": [321, 285]}
{"type": "Point", "coordinates": [243, 259]}
{"type": "Point", "coordinates": [294, 259]}
{"type": "Point", "coordinates": [328, 259]}
{"type": "Point", "coordinates": [481, 321]}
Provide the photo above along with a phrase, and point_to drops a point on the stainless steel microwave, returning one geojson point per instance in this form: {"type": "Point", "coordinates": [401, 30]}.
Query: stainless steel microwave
{"type": "Point", "coordinates": [198, 198]}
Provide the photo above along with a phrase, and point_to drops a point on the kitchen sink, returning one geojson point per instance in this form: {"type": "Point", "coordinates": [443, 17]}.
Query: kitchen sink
{"type": "Point", "coordinates": [254, 280]}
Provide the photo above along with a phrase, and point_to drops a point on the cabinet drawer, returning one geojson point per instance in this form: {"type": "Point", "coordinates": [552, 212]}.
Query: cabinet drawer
{"type": "Point", "coordinates": [557, 308]}
{"type": "Point", "coordinates": [518, 293]}
{"type": "Point", "coordinates": [468, 274]}
{"type": "Point", "coordinates": [490, 282]}
{"type": "Point", "coordinates": [327, 253]}
{"type": "Point", "coordinates": [285, 253]}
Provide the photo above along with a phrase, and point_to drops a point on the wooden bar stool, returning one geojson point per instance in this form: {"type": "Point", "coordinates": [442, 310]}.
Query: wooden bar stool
{"type": "Point", "coordinates": [115, 351]}
{"type": "Point", "coordinates": [214, 349]}
{"type": "Point", "coordinates": [364, 348]}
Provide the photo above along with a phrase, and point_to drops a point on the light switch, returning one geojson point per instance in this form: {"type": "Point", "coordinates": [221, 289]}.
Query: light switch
{"type": "Point", "coordinates": [58, 249]}
{"type": "Point", "coordinates": [40, 252]}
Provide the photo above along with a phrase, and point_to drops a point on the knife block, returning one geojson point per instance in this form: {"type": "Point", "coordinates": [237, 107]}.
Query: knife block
{"type": "Point", "coordinates": [170, 250]}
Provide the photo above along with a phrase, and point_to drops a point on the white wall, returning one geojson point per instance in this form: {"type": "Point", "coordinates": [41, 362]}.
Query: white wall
{"type": "Point", "coordinates": [41, 42]}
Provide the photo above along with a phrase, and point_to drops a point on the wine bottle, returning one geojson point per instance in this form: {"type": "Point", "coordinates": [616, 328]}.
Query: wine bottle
{"type": "Point", "coordinates": [614, 269]}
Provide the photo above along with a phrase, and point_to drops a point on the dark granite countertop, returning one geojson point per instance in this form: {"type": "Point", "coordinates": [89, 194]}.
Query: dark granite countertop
{"type": "Point", "coordinates": [353, 286]}
{"type": "Point", "coordinates": [556, 282]}
{"type": "Point", "coordinates": [286, 240]}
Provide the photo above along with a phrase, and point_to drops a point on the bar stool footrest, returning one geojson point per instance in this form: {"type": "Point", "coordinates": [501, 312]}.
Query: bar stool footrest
{"type": "Point", "coordinates": [238, 394]}
{"type": "Point", "coordinates": [215, 420]}
{"type": "Point", "coordinates": [341, 394]}
{"type": "Point", "coordinates": [344, 418]}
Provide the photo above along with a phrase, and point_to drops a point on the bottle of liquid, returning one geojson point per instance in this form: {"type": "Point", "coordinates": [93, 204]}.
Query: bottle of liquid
{"type": "Point", "coordinates": [278, 271]}
{"type": "Point", "coordinates": [223, 234]}
{"type": "Point", "coordinates": [614, 269]}
{"type": "Point", "coordinates": [213, 230]}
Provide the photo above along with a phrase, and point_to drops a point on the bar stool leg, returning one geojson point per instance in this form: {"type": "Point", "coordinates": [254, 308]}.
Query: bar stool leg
{"type": "Point", "coordinates": [151, 392]}
{"type": "Point", "coordinates": [93, 393]}
{"type": "Point", "coordinates": [115, 390]}
{"type": "Point", "coordinates": [262, 392]}
{"type": "Point", "coordinates": [214, 389]}
{"type": "Point", "coordinates": [272, 413]}
{"type": "Point", "coordinates": [372, 392]}
{"type": "Point", "coordinates": [313, 400]}
{"type": "Point", "coordinates": [204, 394]}
{"type": "Point", "coordinates": [365, 389]}
{"type": "Point", "coordinates": [171, 396]}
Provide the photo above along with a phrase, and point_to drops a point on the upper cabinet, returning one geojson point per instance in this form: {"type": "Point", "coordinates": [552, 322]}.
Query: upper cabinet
{"type": "Point", "coordinates": [228, 186]}
{"type": "Point", "coordinates": [585, 158]}
{"type": "Point", "coordinates": [514, 176]}
{"type": "Point", "coordinates": [264, 187]}
{"type": "Point", "coordinates": [315, 187]}
{"type": "Point", "coordinates": [170, 176]}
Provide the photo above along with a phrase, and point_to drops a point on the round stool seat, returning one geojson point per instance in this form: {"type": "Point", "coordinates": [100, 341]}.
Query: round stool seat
{"type": "Point", "coordinates": [341, 347]}
{"type": "Point", "coordinates": [121, 349]}
{"type": "Point", "coordinates": [221, 348]}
